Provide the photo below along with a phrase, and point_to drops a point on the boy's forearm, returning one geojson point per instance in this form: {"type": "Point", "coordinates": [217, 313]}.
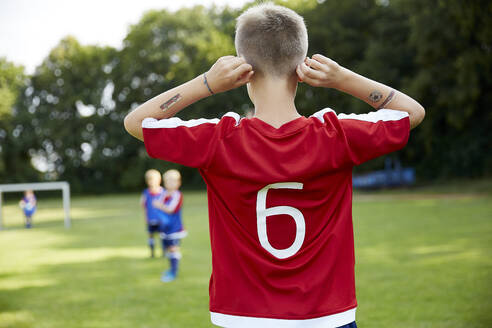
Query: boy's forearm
{"type": "Point", "coordinates": [166, 105]}
{"type": "Point", "coordinates": [166, 210]}
{"type": "Point", "coordinates": [379, 95]}
{"type": "Point", "coordinates": [163, 208]}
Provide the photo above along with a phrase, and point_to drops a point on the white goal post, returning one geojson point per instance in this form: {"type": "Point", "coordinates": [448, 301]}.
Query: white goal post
{"type": "Point", "coordinates": [63, 185]}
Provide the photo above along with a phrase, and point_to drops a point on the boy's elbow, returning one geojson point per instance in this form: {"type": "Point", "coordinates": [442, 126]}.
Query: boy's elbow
{"type": "Point", "coordinates": [127, 124]}
{"type": "Point", "coordinates": [417, 116]}
{"type": "Point", "coordinates": [420, 114]}
{"type": "Point", "coordinates": [132, 127]}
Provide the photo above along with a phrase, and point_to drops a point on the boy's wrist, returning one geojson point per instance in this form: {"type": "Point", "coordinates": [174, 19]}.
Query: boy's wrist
{"type": "Point", "coordinates": [201, 87]}
{"type": "Point", "coordinates": [205, 81]}
{"type": "Point", "coordinates": [343, 79]}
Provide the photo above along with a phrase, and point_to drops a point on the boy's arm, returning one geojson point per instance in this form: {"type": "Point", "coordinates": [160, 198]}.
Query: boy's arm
{"type": "Point", "coordinates": [321, 71]}
{"type": "Point", "coordinates": [227, 73]}
{"type": "Point", "coordinates": [142, 203]}
{"type": "Point", "coordinates": [159, 205]}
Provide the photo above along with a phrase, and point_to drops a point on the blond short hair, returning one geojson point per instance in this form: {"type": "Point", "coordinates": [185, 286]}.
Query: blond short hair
{"type": "Point", "coordinates": [272, 38]}
{"type": "Point", "coordinates": [172, 173]}
{"type": "Point", "coordinates": [152, 173]}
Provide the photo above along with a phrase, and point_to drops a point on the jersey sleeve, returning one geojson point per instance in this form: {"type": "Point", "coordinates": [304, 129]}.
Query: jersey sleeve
{"type": "Point", "coordinates": [374, 134]}
{"type": "Point", "coordinates": [190, 143]}
{"type": "Point", "coordinates": [175, 202]}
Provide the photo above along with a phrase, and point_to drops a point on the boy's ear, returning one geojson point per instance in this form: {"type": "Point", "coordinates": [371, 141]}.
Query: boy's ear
{"type": "Point", "coordinates": [243, 75]}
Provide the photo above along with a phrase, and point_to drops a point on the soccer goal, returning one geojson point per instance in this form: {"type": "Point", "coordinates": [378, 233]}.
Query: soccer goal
{"type": "Point", "coordinates": [63, 185]}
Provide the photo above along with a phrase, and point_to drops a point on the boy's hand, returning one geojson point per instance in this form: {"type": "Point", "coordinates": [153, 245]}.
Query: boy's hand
{"type": "Point", "coordinates": [320, 71]}
{"type": "Point", "coordinates": [229, 72]}
{"type": "Point", "coordinates": [156, 203]}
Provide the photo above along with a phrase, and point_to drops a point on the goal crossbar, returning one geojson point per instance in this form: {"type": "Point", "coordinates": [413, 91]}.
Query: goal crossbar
{"type": "Point", "coordinates": [63, 185]}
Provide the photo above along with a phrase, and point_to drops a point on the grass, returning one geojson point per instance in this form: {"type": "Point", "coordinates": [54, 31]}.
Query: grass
{"type": "Point", "coordinates": [423, 260]}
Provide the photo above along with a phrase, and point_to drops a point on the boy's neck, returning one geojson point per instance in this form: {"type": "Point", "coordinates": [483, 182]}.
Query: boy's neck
{"type": "Point", "coordinates": [274, 100]}
{"type": "Point", "coordinates": [155, 189]}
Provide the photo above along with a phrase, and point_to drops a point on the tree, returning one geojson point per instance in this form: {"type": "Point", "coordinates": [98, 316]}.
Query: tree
{"type": "Point", "coordinates": [12, 80]}
{"type": "Point", "coordinates": [66, 116]}
{"type": "Point", "coordinates": [453, 46]}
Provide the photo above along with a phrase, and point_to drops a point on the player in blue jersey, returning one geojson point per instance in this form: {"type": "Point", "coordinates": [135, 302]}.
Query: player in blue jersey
{"type": "Point", "coordinates": [153, 215]}
{"type": "Point", "coordinates": [171, 229]}
{"type": "Point", "coordinates": [28, 205]}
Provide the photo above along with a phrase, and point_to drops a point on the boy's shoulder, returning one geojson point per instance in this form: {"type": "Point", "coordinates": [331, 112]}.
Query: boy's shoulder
{"type": "Point", "coordinates": [147, 192]}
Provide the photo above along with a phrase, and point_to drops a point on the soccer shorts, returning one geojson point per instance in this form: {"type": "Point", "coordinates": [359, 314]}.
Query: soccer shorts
{"type": "Point", "coordinates": [172, 238]}
{"type": "Point", "coordinates": [151, 227]}
{"type": "Point", "coordinates": [29, 213]}
{"type": "Point", "coordinates": [350, 325]}
{"type": "Point", "coordinates": [171, 242]}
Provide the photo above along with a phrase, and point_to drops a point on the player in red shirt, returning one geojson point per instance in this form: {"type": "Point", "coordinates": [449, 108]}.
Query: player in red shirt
{"type": "Point", "coordinates": [279, 184]}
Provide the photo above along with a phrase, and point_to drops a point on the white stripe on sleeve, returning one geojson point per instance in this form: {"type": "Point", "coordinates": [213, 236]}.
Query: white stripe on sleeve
{"type": "Point", "coordinates": [319, 114]}
{"type": "Point", "coordinates": [174, 122]}
{"type": "Point", "coordinates": [380, 115]}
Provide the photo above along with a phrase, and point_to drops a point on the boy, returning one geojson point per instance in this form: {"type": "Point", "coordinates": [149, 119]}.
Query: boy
{"type": "Point", "coordinates": [279, 184]}
{"type": "Point", "coordinates": [172, 228]}
{"type": "Point", "coordinates": [28, 205]}
{"type": "Point", "coordinates": [153, 215]}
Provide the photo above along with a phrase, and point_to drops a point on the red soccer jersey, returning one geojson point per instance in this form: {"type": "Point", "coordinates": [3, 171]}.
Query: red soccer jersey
{"type": "Point", "coordinates": [280, 209]}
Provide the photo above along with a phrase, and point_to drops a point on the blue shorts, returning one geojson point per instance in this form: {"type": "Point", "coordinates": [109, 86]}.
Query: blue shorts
{"type": "Point", "coordinates": [350, 325]}
{"type": "Point", "coordinates": [151, 228]}
{"type": "Point", "coordinates": [170, 242]}
{"type": "Point", "coordinates": [29, 213]}
{"type": "Point", "coordinates": [172, 238]}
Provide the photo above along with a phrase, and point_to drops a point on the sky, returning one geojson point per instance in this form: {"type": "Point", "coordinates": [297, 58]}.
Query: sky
{"type": "Point", "coordinates": [29, 29]}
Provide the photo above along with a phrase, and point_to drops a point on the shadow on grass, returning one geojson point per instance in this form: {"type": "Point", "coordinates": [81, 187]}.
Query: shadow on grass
{"type": "Point", "coordinates": [35, 225]}
{"type": "Point", "coordinates": [115, 292]}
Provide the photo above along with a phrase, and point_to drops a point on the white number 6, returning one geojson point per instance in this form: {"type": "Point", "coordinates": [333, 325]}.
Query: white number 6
{"type": "Point", "coordinates": [261, 215]}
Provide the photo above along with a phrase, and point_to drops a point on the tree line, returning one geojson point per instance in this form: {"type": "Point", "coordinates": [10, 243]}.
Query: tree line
{"type": "Point", "coordinates": [65, 121]}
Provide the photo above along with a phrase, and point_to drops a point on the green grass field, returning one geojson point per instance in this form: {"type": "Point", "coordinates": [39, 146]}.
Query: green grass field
{"type": "Point", "coordinates": [424, 259]}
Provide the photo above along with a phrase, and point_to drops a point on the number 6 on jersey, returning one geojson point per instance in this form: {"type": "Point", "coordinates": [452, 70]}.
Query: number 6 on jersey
{"type": "Point", "coordinates": [261, 215]}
